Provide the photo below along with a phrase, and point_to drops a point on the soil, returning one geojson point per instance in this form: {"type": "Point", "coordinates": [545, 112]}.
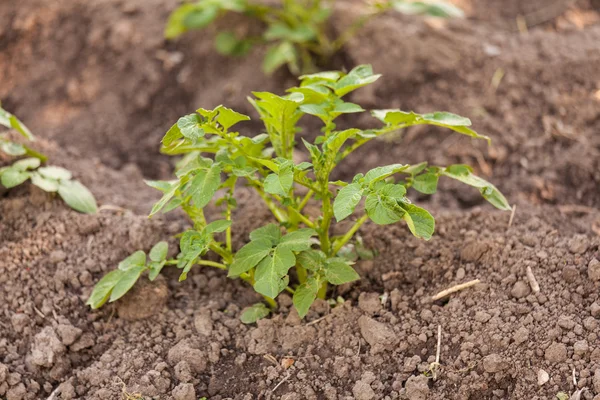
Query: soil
{"type": "Point", "coordinates": [99, 84]}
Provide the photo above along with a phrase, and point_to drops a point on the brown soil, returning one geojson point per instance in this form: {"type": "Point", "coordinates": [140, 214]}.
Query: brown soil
{"type": "Point", "coordinates": [99, 80]}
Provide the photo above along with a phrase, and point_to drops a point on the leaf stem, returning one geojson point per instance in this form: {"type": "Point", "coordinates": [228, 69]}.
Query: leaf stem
{"type": "Point", "coordinates": [322, 291]}
{"type": "Point", "coordinates": [211, 264]}
{"type": "Point", "coordinates": [228, 218]}
{"type": "Point", "coordinates": [306, 199]}
{"type": "Point", "coordinates": [346, 238]}
{"type": "Point", "coordinates": [302, 217]}
{"type": "Point", "coordinates": [272, 303]}
{"type": "Point", "coordinates": [225, 255]}
{"type": "Point", "coordinates": [301, 272]}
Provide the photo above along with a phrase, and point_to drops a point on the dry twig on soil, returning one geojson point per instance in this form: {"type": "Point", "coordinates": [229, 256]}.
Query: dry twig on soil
{"type": "Point", "coordinates": [532, 281]}
{"type": "Point", "coordinates": [455, 289]}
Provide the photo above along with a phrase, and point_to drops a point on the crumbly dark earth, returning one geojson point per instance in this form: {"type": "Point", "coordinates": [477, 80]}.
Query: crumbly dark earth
{"type": "Point", "coordinates": [99, 81]}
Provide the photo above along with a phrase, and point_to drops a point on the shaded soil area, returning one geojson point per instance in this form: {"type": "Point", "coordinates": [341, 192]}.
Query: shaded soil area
{"type": "Point", "coordinates": [99, 84]}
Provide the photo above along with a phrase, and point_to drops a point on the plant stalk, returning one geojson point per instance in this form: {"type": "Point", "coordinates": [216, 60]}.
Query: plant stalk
{"type": "Point", "coordinates": [348, 236]}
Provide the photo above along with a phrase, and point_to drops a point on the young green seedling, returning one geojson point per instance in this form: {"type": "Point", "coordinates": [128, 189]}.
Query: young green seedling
{"type": "Point", "coordinates": [296, 31]}
{"type": "Point", "coordinates": [298, 240]}
{"type": "Point", "coordinates": [48, 178]}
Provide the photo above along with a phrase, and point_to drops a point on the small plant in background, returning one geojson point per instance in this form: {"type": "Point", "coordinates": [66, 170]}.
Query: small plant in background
{"type": "Point", "coordinates": [48, 178]}
{"type": "Point", "coordinates": [296, 31]}
{"type": "Point", "coordinates": [299, 240]}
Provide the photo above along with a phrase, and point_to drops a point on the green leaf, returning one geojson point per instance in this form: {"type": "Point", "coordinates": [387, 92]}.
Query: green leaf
{"type": "Point", "coordinates": [204, 185]}
{"type": "Point", "coordinates": [382, 205]}
{"type": "Point", "coordinates": [358, 77]}
{"type": "Point", "coordinates": [57, 173]}
{"type": "Point", "coordinates": [269, 232]}
{"type": "Point", "coordinates": [426, 183]}
{"type": "Point", "coordinates": [159, 251]}
{"type": "Point", "coordinates": [270, 271]}
{"type": "Point", "coordinates": [346, 201]}
{"type": "Point", "coordinates": [297, 240]}
{"type": "Point", "coordinates": [137, 259]}
{"type": "Point", "coordinates": [217, 226]}
{"type": "Point", "coordinates": [331, 76]}
{"type": "Point", "coordinates": [228, 44]}
{"type": "Point", "coordinates": [315, 153]}
{"type": "Point", "coordinates": [102, 290]}
{"type": "Point", "coordinates": [249, 255]}
{"type": "Point", "coordinates": [169, 193]}
{"type": "Point", "coordinates": [154, 269]}
{"type": "Point", "coordinates": [420, 222]}
{"type": "Point", "coordinates": [281, 31]}
{"type": "Point", "coordinates": [163, 186]}
{"type": "Point", "coordinates": [334, 143]}
{"type": "Point", "coordinates": [380, 173]}
{"type": "Point", "coordinates": [396, 117]}
{"type": "Point", "coordinates": [227, 117]}
{"type": "Point", "coordinates": [5, 118]}
{"type": "Point", "coordinates": [12, 177]}
{"type": "Point", "coordinates": [21, 128]}
{"type": "Point", "coordinates": [463, 173]}
{"type": "Point", "coordinates": [281, 182]}
{"type": "Point", "coordinates": [13, 149]}
{"type": "Point", "coordinates": [338, 271]}
{"type": "Point", "coordinates": [253, 313]}
{"type": "Point", "coordinates": [200, 17]}
{"type": "Point", "coordinates": [278, 55]}
{"type": "Point", "coordinates": [77, 196]}
{"type": "Point", "coordinates": [173, 134]}
{"type": "Point", "coordinates": [189, 125]}
{"type": "Point", "coordinates": [128, 279]}
{"type": "Point", "coordinates": [305, 295]}
{"type": "Point", "coordinates": [26, 164]}
{"type": "Point", "coordinates": [46, 184]}
{"type": "Point", "coordinates": [444, 119]}
{"type": "Point", "coordinates": [432, 8]}
{"type": "Point", "coordinates": [312, 260]}
{"type": "Point", "coordinates": [342, 107]}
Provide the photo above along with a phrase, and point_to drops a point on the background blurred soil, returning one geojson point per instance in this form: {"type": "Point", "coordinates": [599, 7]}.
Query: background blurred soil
{"type": "Point", "coordinates": [97, 79]}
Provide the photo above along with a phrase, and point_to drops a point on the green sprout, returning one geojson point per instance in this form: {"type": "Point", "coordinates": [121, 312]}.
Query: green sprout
{"type": "Point", "coordinates": [298, 240]}
{"type": "Point", "coordinates": [51, 179]}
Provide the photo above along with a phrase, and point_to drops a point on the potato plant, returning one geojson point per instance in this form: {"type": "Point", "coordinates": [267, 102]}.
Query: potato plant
{"type": "Point", "coordinates": [296, 31]}
{"type": "Point", "coordinates": [217, 158]}
{"type": "Point", "coordinates": [48, 178]}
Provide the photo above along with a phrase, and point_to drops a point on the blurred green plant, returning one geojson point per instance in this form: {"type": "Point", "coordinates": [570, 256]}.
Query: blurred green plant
{"type": "Point", "coordinates": [265, 162]}
{"type": "Point", "coordinates": [48, 178]}
{"type": "Point", "coordinates": [296, 31]}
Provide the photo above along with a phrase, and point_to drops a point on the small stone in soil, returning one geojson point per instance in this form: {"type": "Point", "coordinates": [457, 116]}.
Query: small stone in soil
{"type": "Point", "coordinates": [556, 353]}
{"type": "Point", "coordinates": [417, 388]}
{"type": "Point", "coordinates": [369, 303]}
{"type": "Point", "coordinates": [363, 391]}
{"type": "Point", "coordinates": [520, 290]}
{"type": "Point", "coordinates": [184, 391]}
{"type": "Point", "coordinates": [578, 244]}
{"type": "Point", "coordinates": [594, 270]}
{"type": "Point", "coordinates": [494, 363]}
{"type": "Point", "coordinates": [378, 335]}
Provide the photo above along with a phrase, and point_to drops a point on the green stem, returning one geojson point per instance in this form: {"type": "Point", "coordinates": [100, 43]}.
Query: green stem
{"type": "Point", "coordinates": [302, 217]}
{"type": "Point", "coordinates": [322, 291]}
{"type": "Point", "coordinates": [306, 199]}
{"type": "Point", "coordinates": [225, 255]}
{"type": "Point", "coordinates": [211, 264]}
{"type": "Point", "coordinates": [272, 303]}
{"type": "Point", "coordinates": [228, 218]}
{"type": "Point", "coordinates": [346, 238]}
{"type": "Point", "coordinates": [302, 274]}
